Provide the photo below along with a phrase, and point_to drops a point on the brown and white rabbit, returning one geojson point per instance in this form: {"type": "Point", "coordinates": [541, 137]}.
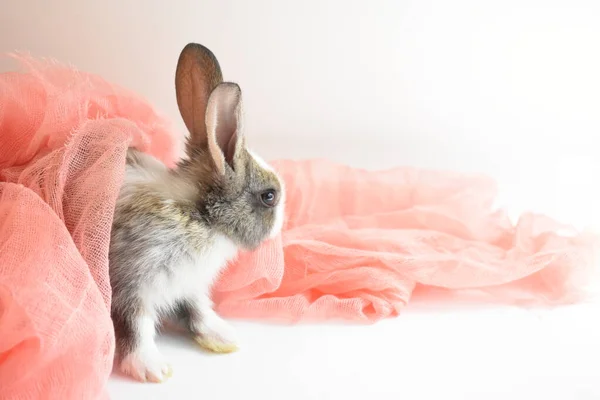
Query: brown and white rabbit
{"type": "Point", "coordinates": [175, 229]}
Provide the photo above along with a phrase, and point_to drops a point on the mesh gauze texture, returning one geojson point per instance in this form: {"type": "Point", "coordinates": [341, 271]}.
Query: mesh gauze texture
{"type": "Point", "coordinates": [355, 244]}
{"type": "Point", "coordinates": [63, 139]}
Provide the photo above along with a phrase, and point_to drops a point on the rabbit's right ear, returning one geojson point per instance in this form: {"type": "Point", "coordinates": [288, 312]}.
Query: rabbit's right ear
{"type": "Point", "coordinates": [198, 73]}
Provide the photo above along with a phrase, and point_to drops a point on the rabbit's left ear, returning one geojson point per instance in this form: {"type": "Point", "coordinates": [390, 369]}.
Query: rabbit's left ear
{"type": "Point", "coordinates": [223, 126]}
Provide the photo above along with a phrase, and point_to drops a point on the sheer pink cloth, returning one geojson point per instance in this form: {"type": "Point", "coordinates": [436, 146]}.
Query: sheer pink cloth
{"type": "Point", "coordinates": [355, 244]}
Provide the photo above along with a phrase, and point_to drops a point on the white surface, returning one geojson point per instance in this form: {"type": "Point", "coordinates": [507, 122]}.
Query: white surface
{"type": "Point", "coordinates": [471, 354]}
{"type": "Point", "coordinates": [509, 88]}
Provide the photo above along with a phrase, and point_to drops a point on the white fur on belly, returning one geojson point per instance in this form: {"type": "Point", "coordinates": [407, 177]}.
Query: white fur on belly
{"type": "Point", "coordinates": [193, 277]}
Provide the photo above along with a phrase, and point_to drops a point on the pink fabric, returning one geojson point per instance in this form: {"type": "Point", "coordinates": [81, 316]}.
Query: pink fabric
{"type": "Point", "coordinates": [355, 244]}
{"type": "Point", "coordinates": [63, 140]}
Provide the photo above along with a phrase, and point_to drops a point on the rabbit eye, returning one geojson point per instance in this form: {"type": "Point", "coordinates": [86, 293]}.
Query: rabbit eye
{"type": "Point", "coordinates": [268, 198]}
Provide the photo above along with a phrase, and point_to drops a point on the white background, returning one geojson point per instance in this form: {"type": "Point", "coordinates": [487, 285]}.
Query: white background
{"type": "Point", "coordinates": [509, 88]}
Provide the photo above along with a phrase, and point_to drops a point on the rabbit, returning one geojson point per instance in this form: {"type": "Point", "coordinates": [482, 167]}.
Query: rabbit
{"type": "Point", "coordinates": [174, 230]}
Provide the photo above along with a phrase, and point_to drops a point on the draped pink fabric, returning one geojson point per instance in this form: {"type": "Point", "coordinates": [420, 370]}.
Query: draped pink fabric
{"type": "Point", "coordinates": [355, 243]}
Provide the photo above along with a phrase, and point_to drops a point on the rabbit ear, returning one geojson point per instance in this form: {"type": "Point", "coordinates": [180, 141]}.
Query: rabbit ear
{"type": "Point", "coordinates": [223, 126]}
{"type": "Point", "coordinates": [198, 73]}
